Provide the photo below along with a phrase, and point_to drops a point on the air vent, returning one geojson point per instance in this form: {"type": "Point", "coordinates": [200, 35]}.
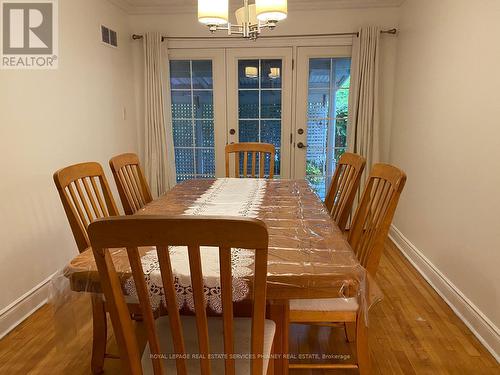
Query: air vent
{"type": "Point", "coordinates": [108, 36]}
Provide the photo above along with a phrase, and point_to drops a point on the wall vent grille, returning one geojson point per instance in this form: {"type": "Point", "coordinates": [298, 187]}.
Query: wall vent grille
{"type": "Point", "coordinates": [109, 37]}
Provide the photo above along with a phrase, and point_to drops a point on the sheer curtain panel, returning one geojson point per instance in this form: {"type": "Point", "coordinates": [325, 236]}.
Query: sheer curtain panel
{"type": "Point", "coordinates": [159, 149]}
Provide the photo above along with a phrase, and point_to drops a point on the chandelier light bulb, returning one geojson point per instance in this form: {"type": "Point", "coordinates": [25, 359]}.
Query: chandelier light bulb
{"type": "Point", "coordinates": [213, 12]}
{"type": "Point", "coordinates": [271, 10]}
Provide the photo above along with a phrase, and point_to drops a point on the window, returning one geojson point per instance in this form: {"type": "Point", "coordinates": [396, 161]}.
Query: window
{"type": "Point", "coordinates": [191, 85]}
{"type": "Point", "coordinates": [259, 104]}
{"type": "Point", "coordinates": [327, 108]}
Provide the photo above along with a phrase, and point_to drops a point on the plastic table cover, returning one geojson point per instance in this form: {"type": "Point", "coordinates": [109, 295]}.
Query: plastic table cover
{"type": "Point", "coordinates": [308, 255]}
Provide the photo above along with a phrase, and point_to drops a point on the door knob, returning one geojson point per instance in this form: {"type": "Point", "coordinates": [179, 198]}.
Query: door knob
{"type": "Point", "coordinates": [301, 145]}
{"type": "Point", "coordinates": [232, 131]}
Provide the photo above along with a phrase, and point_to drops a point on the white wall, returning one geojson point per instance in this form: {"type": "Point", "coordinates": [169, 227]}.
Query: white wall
{"type": "Point", "coordinates": [298, 22]}
{"type": "Point", "coordinates": [446, 136]}
{"type": "Point", "coordinates": [48, 120]}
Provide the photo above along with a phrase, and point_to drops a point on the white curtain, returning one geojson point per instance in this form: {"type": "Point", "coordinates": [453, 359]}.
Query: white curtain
{"type": "Point", "coordinates": [363, 133]}
{"type": "Point", "coordinates": [159, 148]}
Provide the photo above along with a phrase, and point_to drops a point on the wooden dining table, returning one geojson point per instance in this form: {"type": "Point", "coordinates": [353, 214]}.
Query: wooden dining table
{"type": "Point", "coordinates": [308, 256]}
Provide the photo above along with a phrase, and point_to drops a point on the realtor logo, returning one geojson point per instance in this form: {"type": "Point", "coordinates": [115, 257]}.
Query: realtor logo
{"type": "Point", "coordinates": [29, 34]}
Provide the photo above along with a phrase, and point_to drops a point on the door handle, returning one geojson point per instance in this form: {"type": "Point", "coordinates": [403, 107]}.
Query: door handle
{"type": "Point", "coordinates": [301, 145]}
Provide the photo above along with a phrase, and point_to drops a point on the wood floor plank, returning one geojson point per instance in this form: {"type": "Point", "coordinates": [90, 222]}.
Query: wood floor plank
{"type": "Point", "coordinates": [412, 331]}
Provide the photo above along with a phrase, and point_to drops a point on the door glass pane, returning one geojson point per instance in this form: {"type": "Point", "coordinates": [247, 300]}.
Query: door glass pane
{"type": "Point", "coordinates": [202, 74]}
{"type": "Point", "coordinates": [184, 161]}
{"type": "Point", "coordinates": [271, 74]}
{"type": "Point", "coordinates": [259, 104]}
{"type": "Point", "coordinates": [318, 103]}
{"type": "Point", "coordinates": [248, 103]}
{"type": "Point", "coordinates": [270, 104]}
{"type": "Point", "coordinates": [319, 73]}
{"type": "Point", "coordinates": [270, 132]}
{"type": "Point", "coordinates": [180, 75]}
{"type": "Point", "coordinates": [204, 133]}
{"type": "Point", "coordinates": [203, 104]}
{"type": "Point", "coordinates": [182, 104]}
{"type": "Point", "coordinates": [191, 84]}
{"type": "Point", "coordinates": [183, 133]}
{"type": "Point", "coordinates": [249, 131]}
{"type": "Point", "coordinates": [248, 74]}
{"type": "Point", "coordinates": [205, 161]}
{"type": "Point", "coordinates": [327, 109]}
{"type": "Point", "coordinates": [341, 133]}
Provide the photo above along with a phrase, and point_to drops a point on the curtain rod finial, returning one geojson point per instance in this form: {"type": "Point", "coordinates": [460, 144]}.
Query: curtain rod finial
{"type": "Point", "coordinates": [138, 36]}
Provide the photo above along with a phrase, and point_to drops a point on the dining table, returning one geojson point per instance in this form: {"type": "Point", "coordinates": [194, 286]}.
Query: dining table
{"type": "Point", "coordinates": [308, 255]}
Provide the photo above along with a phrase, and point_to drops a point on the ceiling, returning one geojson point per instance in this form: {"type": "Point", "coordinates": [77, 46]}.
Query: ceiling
{"type": "Point", "coordinates": [188, 6]}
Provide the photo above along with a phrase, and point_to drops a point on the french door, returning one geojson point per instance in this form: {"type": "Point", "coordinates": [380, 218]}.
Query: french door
{"type": "Point", "coordinates": [259, 99]}
{"type": "Point", "coordinates": [323, 82]}
{"type": "Point", "coordinates": [226, 95]}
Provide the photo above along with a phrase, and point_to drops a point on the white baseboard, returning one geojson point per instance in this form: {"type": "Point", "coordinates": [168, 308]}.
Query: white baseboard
{"type": "Point", "coordinates": [483, 328]}
{"type": "Point", "coordinates": [15, 313]}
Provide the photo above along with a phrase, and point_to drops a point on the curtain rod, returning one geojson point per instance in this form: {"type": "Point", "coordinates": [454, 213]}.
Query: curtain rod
{"type": "Point", "coordinates": [390, 31]}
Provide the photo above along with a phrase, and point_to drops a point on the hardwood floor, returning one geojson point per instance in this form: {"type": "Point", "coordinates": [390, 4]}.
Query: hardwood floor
{"type": "Point", "coordinates": [412, 331]}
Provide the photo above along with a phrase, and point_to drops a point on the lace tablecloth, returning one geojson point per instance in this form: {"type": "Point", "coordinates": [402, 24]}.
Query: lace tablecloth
{"type": "Point", "coordinates": [227, 197]}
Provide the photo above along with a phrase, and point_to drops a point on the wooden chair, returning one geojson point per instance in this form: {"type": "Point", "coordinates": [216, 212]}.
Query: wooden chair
{"type": "Point", "coordinates": [375, 213]}
{"type": "Point", "coordinates": [175, 335]}
{"type": "Point", "coordinates": [252, 148]}
{"type": "Point", "coordinates": [131, 183]}
{"type": "Point", "coordinates": [86, 196]}
{"type": "Point", "coordinates": [343, 188]}
{"type": "Point", "coordinates": [367, 236]}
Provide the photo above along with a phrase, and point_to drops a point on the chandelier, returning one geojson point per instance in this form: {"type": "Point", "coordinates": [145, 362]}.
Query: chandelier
{"type": "Point", "coordinates": [251, 18]}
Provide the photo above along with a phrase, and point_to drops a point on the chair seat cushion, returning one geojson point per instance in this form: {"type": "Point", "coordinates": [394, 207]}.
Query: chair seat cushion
{"type": "Point", "coordinates": [242, 344]}
{"type": "Point", "coordinates": [325, 304]}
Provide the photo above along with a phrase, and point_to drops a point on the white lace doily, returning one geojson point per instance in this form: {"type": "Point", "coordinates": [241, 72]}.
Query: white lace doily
{"type": "Point", "coordinates": [230, 197]}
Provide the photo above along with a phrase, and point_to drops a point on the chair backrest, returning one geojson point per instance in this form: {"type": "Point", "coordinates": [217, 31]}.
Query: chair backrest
{"type": "Point", "coordinates": [374, 214]}
{"type": "Point", "coordinates": [343, 188]}
{"type": "Point", "coordinates": [131, 183]}
{"type": "Point", "coordinates": [254, 149]}
{"type": "Point", "coordinates": [85, 196]}
{"type": "Point", "coordinates": [130, 232]}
